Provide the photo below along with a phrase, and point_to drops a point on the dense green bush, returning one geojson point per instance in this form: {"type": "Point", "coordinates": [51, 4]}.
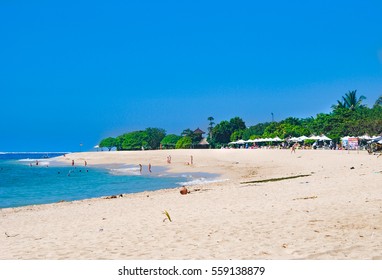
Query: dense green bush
{"type": "Point", "coordinates": [169, 141]}
{"type": "Point", "coordinates": [109, 143]}
{"type": "Point", "coordinates": [184, 143]}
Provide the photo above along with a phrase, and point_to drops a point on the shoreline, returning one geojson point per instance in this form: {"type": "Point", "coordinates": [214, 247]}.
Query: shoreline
{"type": "Point", "coordinates": [127, 175]}
{"type": "Point", "coordinates": [336, 213]}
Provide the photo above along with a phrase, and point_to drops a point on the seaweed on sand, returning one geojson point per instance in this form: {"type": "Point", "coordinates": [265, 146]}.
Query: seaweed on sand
{"type": "Point", "coordinates": [276, 179]}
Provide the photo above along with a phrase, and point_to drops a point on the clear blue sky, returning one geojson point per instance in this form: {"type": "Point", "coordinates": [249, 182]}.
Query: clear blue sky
{"type": "Point", "coordinates": [75, 72]}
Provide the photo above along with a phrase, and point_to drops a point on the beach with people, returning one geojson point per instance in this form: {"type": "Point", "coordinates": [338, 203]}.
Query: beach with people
{"type": "Point", "coordinates": [262, 204]}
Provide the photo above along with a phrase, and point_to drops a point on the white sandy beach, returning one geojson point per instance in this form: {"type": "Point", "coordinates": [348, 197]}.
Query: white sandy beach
{"type": "Point", "coordinates": [335, 213]}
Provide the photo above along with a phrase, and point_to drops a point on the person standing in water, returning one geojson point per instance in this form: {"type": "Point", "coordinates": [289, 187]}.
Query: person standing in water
{"type": "Point", "coordinates": [150, 167]}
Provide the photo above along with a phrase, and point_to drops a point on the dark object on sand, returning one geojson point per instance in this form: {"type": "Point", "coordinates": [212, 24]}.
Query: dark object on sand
{"type": "Point", "coordinates": [183, 190]}
{"type": "Point", "coordinates": [276, 179]}
{"type": "Point", "coordinates": [114, 196]}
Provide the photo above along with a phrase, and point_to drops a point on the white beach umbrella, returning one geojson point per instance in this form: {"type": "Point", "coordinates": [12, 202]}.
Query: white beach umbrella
{"type": "Point", "coordinates": [324, 138]}
{"type": "Point", "coordinates": [375, 139]}
{"type": "Point", "coordinates": [314, 137]}
{"type": "Point", "coordinates": [302, 138]}
{"type": "Point", "coordinates": [365, 137]}
{"type": "Point", "coordinates": [241, 141]}
{"type": "Point", "coordinates": [277, 139]}
{"type": "Point", "coordinates": [294, 139]}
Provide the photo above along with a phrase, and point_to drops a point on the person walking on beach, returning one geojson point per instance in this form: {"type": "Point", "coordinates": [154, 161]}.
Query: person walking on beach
{"type": "Point", "coordinates": [192, 160]}
{"type": "Point", "coordinates": [150, 167]}
{"type": "Point", "coordinates": [294, 147]}
{"type": "Point", "coordinates": [140, 168]}
{"type": "Point", "coordinates": [72, 162]}
{"type": "Point", "coordinates": [86, 163]}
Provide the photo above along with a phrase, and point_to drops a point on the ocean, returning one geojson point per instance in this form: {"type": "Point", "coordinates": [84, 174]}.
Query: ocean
{"type": "Point", "coordinates": [22, 182]}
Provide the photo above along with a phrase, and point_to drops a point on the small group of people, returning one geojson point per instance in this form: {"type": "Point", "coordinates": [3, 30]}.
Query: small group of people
{"type": "Point", "coordinates": [85, 163]}
{"type": "Point", "coordinates": [191, 162]}
{"type": "Point", "coordinates": [141, 167]}
{"type": "Point", "coordinates": [36, 163]}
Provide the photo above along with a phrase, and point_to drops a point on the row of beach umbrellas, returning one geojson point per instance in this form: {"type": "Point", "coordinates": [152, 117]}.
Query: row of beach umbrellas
{"type": "Point", "coordinates": [277, 139]}
{"type": "Point", "coordinates": [363, 137]}
{"type": "Point", "coordinates": [303, 138]}
{"type": "Point", "coordinates": [241, 141]}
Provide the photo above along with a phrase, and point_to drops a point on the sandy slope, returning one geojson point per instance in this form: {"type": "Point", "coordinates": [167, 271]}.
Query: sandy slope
{"type": "Point", "coordinates": [335, 213]}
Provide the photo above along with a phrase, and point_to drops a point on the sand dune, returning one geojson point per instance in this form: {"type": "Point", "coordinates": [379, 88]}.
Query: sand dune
{"type": "Point", "coordinates": [334, 213]}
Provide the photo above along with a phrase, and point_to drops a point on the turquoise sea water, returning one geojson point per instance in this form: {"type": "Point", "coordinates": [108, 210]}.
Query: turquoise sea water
{"type": "Point", "coordinates": [22, 182]}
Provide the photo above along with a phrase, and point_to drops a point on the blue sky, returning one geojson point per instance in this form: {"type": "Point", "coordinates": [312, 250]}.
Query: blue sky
{"type": "Point", "coordinates": [75, 72]}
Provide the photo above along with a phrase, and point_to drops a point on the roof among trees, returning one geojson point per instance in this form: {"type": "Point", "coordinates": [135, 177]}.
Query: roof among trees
{"type": "Point", "coordinates": [198, 131]}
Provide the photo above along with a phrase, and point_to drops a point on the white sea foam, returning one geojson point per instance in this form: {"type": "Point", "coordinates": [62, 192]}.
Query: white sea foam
{"type": "Point", "coordinates": [33, 160]}
{"type": "Point", "coordinates": [27, 160]}
{"type": "Point", "coordinates": [199, 181]}
{"type": "Point", "coordinates": [42, 162]}
{"type": "Point", "coordinates": [125, 171]}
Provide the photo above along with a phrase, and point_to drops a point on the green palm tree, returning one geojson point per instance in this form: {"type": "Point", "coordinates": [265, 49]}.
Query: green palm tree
{"type": "Point", "coordinates": [187, 132]}
{"type": "Point", "coordinates": [378, 102]}
{"type": "Point", "coordinates": [210, 125]}
{"type": "Point", "coordinates": [350, 101]}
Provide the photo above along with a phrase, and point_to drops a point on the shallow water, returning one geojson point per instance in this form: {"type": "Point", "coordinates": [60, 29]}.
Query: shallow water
{"type": "Point", "coordinates": [22, 182]}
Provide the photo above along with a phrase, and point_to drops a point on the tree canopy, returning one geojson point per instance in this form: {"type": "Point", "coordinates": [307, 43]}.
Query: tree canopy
{"type": "Point", "coordinates": [348, 117]}
{"type": "Point", "coordinates": [109, 143]}
{"type": "Point", "coordinates": [136, 140]}
{"type": "Point", "coordinates": [184, 143]}
{"type": "Point", "coordinates": [350, 101]}
{"type": "Point", "coordinates": [169, 141]}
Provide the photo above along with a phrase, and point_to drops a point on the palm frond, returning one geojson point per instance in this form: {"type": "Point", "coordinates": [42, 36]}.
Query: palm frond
{"type": "Point", "coordinates": [167, 215]}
